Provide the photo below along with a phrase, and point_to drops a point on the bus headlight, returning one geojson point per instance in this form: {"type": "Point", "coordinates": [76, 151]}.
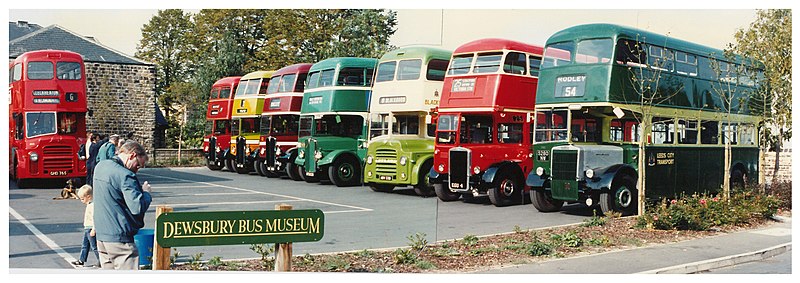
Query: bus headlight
{"type": "Point", "coordinates": [263, 151]}
{"type": "Point", "coordinates": [476, 170]}
{"type": "Point", "coordinates": [589, 173]}
{"type": "Point", "coordinates": [318, 154]}
{"type": "Point", "coordinates": [441, 167]}
{"type": "Point", "coordinates": [205, 148]}
{"type": "Point", "coordinates": [34, 156]}
{"type": "Point", "coordinates": [301, 153]}
{"type": "Point", "coordinates": [278, 151]}
{"type": "Point", "coordinates": [369, 159]}
{"type": "Point", "coordinates": [403, 161]}
{"type": "Point", "coordinates": [247, 151]}
{"type": "Point", "coordinates": [539, 171]}
{"type": "Point", "coordinates": [218, 149]}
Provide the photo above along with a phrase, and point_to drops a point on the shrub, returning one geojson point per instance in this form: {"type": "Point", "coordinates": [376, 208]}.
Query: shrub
{"type": "Point", "coordinates": [469, 240]}
{"type": "Point", "coordinates": [417, 241]}
{"type": "Point", "coordinates": [336, 263]}
{"type": "Point", "coordinates": [539, 248]}
{"type": "Point", "coordinates": [594, 221]}
{"type": "Point", "coordinates": [568, 239]}
{"type": "Point", "coordinates": [404, 256]}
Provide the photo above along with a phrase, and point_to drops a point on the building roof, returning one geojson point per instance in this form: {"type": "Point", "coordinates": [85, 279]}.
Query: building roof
{"type": "Point", "coordinates": [24, 37]}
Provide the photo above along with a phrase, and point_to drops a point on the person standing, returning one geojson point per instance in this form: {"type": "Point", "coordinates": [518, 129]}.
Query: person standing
{"type": "Point", "coordinates": [120, 205]}
{"type": "Point", "coordinates": [89, 240]}
{"type": "Point", "coordinates": [109, 149]}
{"type": "Point", "coordinates": [91, 162]}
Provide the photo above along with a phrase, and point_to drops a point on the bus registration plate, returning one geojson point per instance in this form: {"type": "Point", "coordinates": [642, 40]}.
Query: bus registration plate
{"type": "Point", "coordinates": [58, 173]}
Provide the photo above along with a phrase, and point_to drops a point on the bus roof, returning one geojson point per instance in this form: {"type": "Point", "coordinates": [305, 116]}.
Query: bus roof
{"type": "Point", "coordinates": [491, 44]}
{"type": "Point", "coordinates": [226, 81]}
{"type": "Point", "coordinates": [49, 54]}
{"type": "Point", "coordinates": [342, 62]}
{"type": "Point", "coordinates": [424, 52]}
{"type": "Point", "coordinates": [257, 74]}
{"type": "Point", "coordinates": [295, 68]}
{"type": "Point", "coordinates": [600, 30]}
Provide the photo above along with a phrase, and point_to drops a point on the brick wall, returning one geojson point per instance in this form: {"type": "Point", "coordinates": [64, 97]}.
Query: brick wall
{"type": "Point", "coordinates": [121, 100]}
{"type": "Point", "coordinates": [163, 156]}
{"type": "Point", "coordinates": [784, 168]}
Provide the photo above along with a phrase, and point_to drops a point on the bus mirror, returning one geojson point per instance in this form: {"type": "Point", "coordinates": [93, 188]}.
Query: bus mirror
{"type": "Point", "coordinates": [428, 119]}
{"type": "Point", "coordinates": [618, 111]}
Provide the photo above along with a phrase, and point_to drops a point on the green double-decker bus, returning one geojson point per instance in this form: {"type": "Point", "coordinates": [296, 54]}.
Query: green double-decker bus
{"type": "Point", "coordinates": [604, 88]}
{"type": "Point", "coordinates": [332, 137]}
{"type": "Point", "coordinates": [407, 88]}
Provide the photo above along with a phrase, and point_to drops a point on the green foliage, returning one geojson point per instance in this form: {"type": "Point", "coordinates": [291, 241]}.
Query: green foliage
{"type": "Point", "coordinates": [405, 256]}
{"type": "Point", "coordinates": [594, 221]}
{"type": "Point", "coordinates": [195, 262]}
{"type": "Point", "coordinates": [425, 265]}
{"type": "Point", "coordinates": [539, 248]}
{"type": "Point", "coordinates": [445, 251]}
{"type": "Point", "coordinates": [264, 250]}
{"type": "Point", "coordinates": [469, 240]}
{"type": "Point", "coordinates": [489, 249]}
{"type": "Point", "coordinates": [599, 241]}
{"type": "Point", "coordinates": [336, 263]}
{"type": "Point", "coordinates": [365, 253]}
{"type": "Point", "coordinates": [519, 230]}
{"type": "Point", "coordinates": [568, 239]}
{"type": "Point", "coordinates": [417, 241]}
{"type": "Point", "coordinates": [701, 212]}
{"type": "Point", "coordinates": [215, 261]}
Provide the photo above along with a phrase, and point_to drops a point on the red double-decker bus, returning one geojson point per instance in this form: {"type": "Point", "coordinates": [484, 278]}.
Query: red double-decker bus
{"type": "Point", "coordinates": [279, 122]}
{"type": "Point", "coordinates": [483, 138]}
{"type": "Point", "coordinates": [218, 122]}
{"type": "Point", "coordinates": [47, 116]}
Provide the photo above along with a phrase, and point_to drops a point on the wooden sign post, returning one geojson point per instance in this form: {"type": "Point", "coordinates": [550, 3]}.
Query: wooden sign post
{"type": "Point", "coordinates": [160, 254]}
{"type": "Point", "coordinates": [283, 251]}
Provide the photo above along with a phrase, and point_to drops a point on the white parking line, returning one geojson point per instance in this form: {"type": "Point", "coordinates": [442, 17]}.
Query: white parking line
{"type": "Point", "coordinates": [356, 208]}
{"type": "Point", "coordinates": [223, 194]}
{"type": "Point", "coordinates": [179, 187]}
{"type": "Point", "coordinates": [47, 241]}
{"type": "Point", "coordinates": [226, 203]}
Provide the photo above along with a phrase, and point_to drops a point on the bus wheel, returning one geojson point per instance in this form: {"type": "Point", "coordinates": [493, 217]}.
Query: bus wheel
{"type": "Point", "coordinates": [424, 187]}
{"type": "Point", "coordinates": [293, 172]}
{"type": "Point", "coordinates": [257, 165]}
{"type": "Point", "coordinates": [268, 173]}
{"type": "Point", "coordinates": [242, 170]}
{"type": "Point", "coordinates": [444, 193]}
{"type": "Point", "coordinates": [229, 165]}
{"type": "Point", "coordinates": [381, 188]}
{"type": "Point", "coordinates": [623, 198]}
{"type": "Point", "coordinates": [543, 201]}
{"type": "Point", "coordinates": [345, 172]}
{"type": "Point", "coordinates": [508, 190]}
{"type": "Point", "coordinates": [309, 179]}
{"type": "Point", "coordinates": [213, 166]}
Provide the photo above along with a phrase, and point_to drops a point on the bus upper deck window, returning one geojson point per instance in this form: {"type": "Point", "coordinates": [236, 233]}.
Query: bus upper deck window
{"type": "Point", "coordinates": [409, 69]}
{"type": "Point", "coordinates": [630, 53]}
{"type": "Point", "coordinates": [592, 51]}
{"type": "Point", "coordinates": [558, 54]}
{"type": "Point", "coordinates": [274, 83]}
{"type": "Point", "coordinates": [40, 70]}
{"type": "Point", "coordinates": [515, 63]}
{"type": "Point", "coordinates": [386, 71]}
{"type": "Point", "coordinates": [460, 65]}
{"type": "Point", "coordinates": [436, 70]}
{"type": "Point", "coordinates": [68, 70]}
{"type": "Point", "coordinates": [487, 62]}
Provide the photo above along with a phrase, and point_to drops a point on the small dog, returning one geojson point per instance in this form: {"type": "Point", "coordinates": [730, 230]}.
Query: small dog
{"type": "Point", "coordinates": [71, 190]}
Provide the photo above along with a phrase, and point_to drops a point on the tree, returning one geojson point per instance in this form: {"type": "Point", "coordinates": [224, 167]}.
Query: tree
{"type": "Point", "coordinates": [164, 43]}
{"type": "Point", "coordinates": [769, 40]}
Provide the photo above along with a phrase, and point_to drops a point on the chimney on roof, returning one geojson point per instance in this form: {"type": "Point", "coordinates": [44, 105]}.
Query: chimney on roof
{"type": "Point", "coordinates": [22, 24]}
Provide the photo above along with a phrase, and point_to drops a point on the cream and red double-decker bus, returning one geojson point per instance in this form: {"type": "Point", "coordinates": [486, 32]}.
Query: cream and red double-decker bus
{"type": "Point", "coordinates": [218, 122]}
{"type": "Point", "coordinates": [47, 116]}
{"type": "Point", "coordinates": [483, 135]}
{"type": "Point", "coordinates": [407, 87]}
{"type": "Point", "coordinates": [277, 146]}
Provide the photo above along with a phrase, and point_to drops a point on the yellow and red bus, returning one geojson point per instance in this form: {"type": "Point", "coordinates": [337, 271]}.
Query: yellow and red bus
{"type": "Point", "coordinates": [246, 121]}
{"type": "Point", "coordinates": [218, 122]}
{"type": "Point", "coordinates": [47, 116]}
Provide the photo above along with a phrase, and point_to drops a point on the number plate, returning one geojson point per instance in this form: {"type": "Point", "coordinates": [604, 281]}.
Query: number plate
{"type": "Point", "coordinates": [58, 173]}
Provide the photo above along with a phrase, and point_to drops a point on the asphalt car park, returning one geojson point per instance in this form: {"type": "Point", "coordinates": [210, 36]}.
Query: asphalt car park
{"type": "Point", "coordinates": [47, 233]}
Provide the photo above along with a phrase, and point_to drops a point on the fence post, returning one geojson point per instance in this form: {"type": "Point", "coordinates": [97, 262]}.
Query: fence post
{"type": "Point", "coordinates": [161, 255]}
{"type": "Point", "coordinates": [283, 251]}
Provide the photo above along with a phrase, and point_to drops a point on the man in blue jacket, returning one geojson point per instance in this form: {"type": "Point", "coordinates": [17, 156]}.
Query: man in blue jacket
{"type": "Point", "coordinates": [120, 203]}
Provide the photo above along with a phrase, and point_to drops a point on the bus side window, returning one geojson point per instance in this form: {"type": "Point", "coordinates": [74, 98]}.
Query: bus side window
{"type": "Point", "coordinates": [709, 132]}
{"type": "Point", "coordinates": [663, 131]}
{"type": "Point", "coordinates": [19, 126]}
{"type": "Point", "coordinates": [687, 132]}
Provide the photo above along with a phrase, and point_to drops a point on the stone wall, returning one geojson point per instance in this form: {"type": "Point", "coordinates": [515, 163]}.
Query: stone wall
{"type": "Point", "coordinates": [167, 156]}
{"type": "Point", "coordinates": [121, 100]}
{"type": "Point", "coordinates": [784, 168]}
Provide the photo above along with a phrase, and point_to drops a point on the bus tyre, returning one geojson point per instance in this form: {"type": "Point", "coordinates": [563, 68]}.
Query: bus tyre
{"type": "Point", "coordinates": [444, 193]}
{"type": "Point", "coordinates": [213, 165]}
{"type": "Point", "coordinates": [293, 172]}
{"type": "Point", "coordinates": [623, 197]}
{"type": "Point", "coordinates": [257, 165]}
{"type": "Point", "coordinates": [229, 165]}
{"type": "Point", "coordinates": [381, 188]}
{"type": "Point", "coordinates": [508, 190]}
{"type": "Point", "coordinates": [423, 187]}
{"type": "Point", "coordinates": [309, 179]}
{"type": "Point", "coordinates": [544, 202]}
{"type": "Point", "coordinates": [242, 170]}
{"type": "Point", "coordinates": [345, 172]}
